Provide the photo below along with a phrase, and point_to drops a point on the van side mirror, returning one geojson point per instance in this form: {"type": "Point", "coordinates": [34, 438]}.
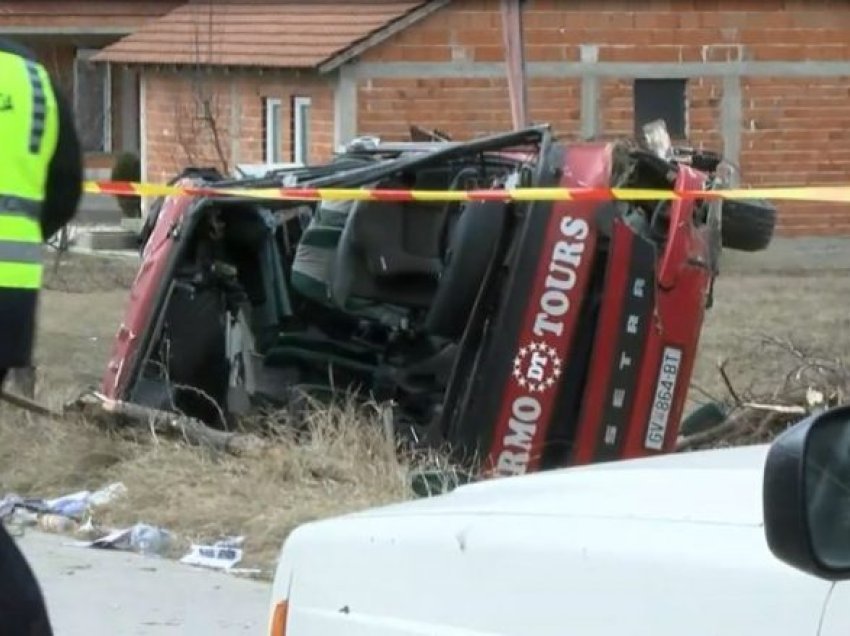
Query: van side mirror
{"type": "Point", "coordinates": [806, 495]}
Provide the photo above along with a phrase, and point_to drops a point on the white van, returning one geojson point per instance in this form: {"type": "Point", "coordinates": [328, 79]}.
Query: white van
{"type": "Point", "coordinates": [744, 541]}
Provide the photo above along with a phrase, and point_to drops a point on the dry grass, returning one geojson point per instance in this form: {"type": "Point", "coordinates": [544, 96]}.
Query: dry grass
{"type": "Point", "coordinates": [345, 464]}
{"type": "Point", "coordinates": [348, 464]}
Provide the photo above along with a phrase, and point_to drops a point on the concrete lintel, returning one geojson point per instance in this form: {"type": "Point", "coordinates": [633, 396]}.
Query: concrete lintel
{"type": "Point", "coordinates": [191, 70]}
{"type": "Point", "coordinates": [60, 30]}
{"type": "Point", "coordinates": [649, 70]}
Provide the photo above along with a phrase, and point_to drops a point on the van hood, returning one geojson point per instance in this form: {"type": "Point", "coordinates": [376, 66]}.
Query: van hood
{"type": "Point", "coordinates": [715, 486]}
{"type": "Point", "coordinates": [671, 545]}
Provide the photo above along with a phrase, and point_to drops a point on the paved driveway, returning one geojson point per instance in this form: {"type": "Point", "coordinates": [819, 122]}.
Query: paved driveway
{"type": "Point", "coordinates": [109, 593]}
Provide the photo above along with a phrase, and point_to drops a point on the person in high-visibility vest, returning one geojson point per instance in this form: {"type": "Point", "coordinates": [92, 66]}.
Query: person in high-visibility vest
{"type": "Point", "coordinates": [40, 189]}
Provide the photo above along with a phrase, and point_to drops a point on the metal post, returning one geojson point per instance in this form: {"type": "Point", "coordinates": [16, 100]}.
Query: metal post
{"type": "Point", "coordinates": [515, 61]}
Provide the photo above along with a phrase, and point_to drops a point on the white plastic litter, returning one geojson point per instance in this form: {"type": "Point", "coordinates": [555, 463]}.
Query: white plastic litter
{"type": "Point", "coordinates": [222, 555]}
{"type": "Point", "coordinates": [142, 538]}
{"type": "Point", "coordinates": [77, 504]}
{"type": "Point", "coordinates": [108, 494]}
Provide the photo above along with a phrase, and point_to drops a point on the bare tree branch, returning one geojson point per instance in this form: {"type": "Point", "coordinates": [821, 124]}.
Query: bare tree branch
{"type": "Point", "coordinates": [198, 123]}
{"type": "Point", "coordinates": [728, 383]}
{"type": "Point", "coordinates": [705, 393]}
{"type": "Point", "coordinates": [158, 422]}
{"type": "Point", "coordinates": [712, 435]}
{"type": "Point", "coordinates": [812, 382]}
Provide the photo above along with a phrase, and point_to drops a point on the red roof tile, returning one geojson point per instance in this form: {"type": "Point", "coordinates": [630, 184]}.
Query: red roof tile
{"type": "Point", "coordinates": [82, 14]}
{"type": "Point", "coordinates": [282, 34]}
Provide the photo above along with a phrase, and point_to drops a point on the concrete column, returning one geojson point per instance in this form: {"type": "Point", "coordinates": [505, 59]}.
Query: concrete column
{"type": "Point", "coordinates": [590, 126]}
{"type": "Point", "coordinates": [143, 138]}
{"type": "Point", "coordinates": [235, 123]}
{"type": "Point", "coordinates": [345, 105]}
{"type": "Point", "coordinates": [731, 118]}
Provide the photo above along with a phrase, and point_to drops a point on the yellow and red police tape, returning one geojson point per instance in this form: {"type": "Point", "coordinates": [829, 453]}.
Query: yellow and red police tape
{"type": "Point", "coordinates": [825, 194]}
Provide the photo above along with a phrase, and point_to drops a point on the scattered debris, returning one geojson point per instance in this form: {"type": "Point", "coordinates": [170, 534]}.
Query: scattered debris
{"type": "Point", "coordinates": [61, 515]}
{"type": "Point", "coordinates": [72, 513]}
{"type": "Point", "coordinates": [116, 539]}
{"type": "Point", "coordinates": [12, 503]}
{"type": "Point", "coordinates": [59, 524]}
{"type": "Point", "coordinates": [107, 495]}
{"type": "Point", "coordinates": [77, 504]}
{"type": "Point", "coordinates": [142, 538]}
{"type": "Point", "coordinates": [23, 518]}
{"type": "Point", "coordinates": [222, 555]}
{"type": "Point", "coordinates": [72, 506]}
{"type": "Point", "coordinates": [148, 540]}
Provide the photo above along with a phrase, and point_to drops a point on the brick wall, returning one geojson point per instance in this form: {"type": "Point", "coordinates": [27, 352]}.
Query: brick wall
{"type": "Point", "coordinates": [462, 107]}
{"type": "Point", "coordinates": [703, 94]}
{"type": "Point", "coordinates": [777, 148]}
{"type": "Point", "coordinates": [474, 106]}
{"type": "Point", "coordinates": [177, 135]}
{"type": "Point", "coordinates": [796, 131]}
{"type": "Point", "coordinates": [471, 31]}
{"type": "Point", "coordinates": [615, 105]}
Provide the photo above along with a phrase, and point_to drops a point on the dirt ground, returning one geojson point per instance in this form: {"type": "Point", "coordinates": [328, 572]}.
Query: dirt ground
{"type": "Point", "coordinates": [203, 497]}
{"type": "Point", "coordinates": [80, 312]}
{"type": "Point", "coordinates": [806, 306]}
{"type": "Point", "coordinates": [198, 496]}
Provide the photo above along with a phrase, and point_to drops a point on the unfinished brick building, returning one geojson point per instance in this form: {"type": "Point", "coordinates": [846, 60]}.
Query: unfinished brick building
{"type": "Point", "coordinates": [765, 81]}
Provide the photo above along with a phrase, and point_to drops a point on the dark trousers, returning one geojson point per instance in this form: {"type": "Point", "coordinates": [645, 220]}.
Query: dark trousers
{"type": "Point", "coordinates": [22, 609]}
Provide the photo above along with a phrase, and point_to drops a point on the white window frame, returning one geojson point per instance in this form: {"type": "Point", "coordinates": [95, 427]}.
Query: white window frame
{"type": "Point", "coordinates": [300, 146]}
{"type": "Point", "coordinates": [83, 55]}
{"type": "Point", "coordinates": [273, 106]}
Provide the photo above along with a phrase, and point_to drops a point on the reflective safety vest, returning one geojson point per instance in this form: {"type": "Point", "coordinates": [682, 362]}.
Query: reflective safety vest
{"type": "Point", "coordinates": [29, 131]}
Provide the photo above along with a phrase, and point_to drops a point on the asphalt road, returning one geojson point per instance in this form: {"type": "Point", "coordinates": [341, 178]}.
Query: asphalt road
{"type": "Point", "coordinates": [94, 592]}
